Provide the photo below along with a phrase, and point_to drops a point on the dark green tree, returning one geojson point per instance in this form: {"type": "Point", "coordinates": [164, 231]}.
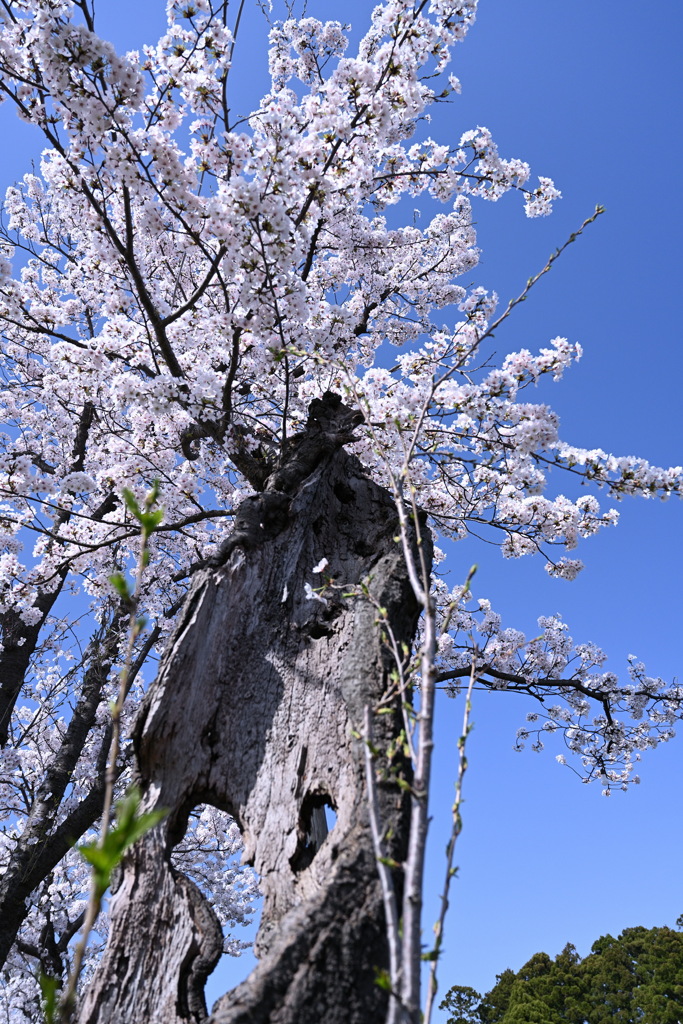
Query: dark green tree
{"type": "Point", "coordinates": [463, 1002]}
{"type": "Point", "coordinates": [495, 1003]}
{"type": "Point", "coordinates": [489, 1009]}
{"type": "Point", "coordinates": [547, 991]}
{"type": "Point", "coordinates": [636, 978]}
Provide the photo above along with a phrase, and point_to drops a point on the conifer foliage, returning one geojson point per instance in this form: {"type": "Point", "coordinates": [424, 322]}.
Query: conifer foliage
{"type": "Point", "coordinates": [636, 978]}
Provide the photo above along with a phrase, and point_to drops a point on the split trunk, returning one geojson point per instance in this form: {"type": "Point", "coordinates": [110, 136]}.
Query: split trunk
{"type": "Point", "coordinates": [257, 709]}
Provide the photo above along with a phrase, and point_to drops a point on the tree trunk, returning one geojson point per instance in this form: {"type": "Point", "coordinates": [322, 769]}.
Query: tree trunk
{"type": "Point", "coordinates": [254, 710]}
{"type": "Point", "coordinates": [42, 844]}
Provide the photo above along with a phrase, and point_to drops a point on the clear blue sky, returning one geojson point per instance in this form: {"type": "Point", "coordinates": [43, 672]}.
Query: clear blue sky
{"type": "Point", "coordinates": [590, 95]}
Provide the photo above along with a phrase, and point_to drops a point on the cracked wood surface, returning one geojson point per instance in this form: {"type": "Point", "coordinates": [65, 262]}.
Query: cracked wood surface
{"type": "Point", "coordinates": [253, 710]}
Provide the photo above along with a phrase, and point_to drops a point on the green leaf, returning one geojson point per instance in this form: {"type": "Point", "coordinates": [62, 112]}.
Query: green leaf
{"type": "Point", "coordinates": [106, 854]}
{"type": "Point", "coordinates": [49, 987]}
{"type": "Point", "coordinates": [129, 824]}
{"type": "Point", "coordinates": [470, 576]}
{"type": "Point", "coordinates": [98, 856]}
{"type": "Point", "coordinates": [389, 862]}
{"type": "Point", "coordinates": [149, 520]}
{"type": "Point", "coordinates": [120, 585]}
{"type": "Point", "coordinates": [131, 503]}
{"type": "Point", "coordinates": [382, 979]}
{"type": "Point", "coordinates": [152, 494]}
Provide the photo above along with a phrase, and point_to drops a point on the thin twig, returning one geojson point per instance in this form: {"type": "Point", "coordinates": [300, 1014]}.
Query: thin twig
{"type": "Point", "coordinates": [126, 678]}
{"type": "Point", "coordinates": [450, 849]}
{"type": "Point", "coordinates": [383, 869]}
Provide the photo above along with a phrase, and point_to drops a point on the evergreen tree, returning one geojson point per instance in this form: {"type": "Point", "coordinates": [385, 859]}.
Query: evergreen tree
{"type": "Point", "coordinates": [636, 978]}
{"type": "Point", "coordinates": [462, 1000]}
{"type": "Point", "coordinates": [495, 1003]}
{"type": "Point", "coordinates": [548, 991]}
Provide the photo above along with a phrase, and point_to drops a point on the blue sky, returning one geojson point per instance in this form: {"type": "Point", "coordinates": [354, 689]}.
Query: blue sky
{"type": "Point", "coordinates": [590, 95]}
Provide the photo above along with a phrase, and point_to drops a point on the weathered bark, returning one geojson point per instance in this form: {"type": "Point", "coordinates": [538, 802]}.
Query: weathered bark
{"type": "Point", "coordinates": [254, 710]}
{"type": "Point", "coordinates": [19, 643]}
{"type": "Point", "coordinates": [19, 640]}
{"type": "Point", "coordinates": [42, 844]}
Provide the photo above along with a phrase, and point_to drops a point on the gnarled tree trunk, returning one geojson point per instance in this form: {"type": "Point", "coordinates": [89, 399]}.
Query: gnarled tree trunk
{"type": "Point", "coordinates": [254, 710]}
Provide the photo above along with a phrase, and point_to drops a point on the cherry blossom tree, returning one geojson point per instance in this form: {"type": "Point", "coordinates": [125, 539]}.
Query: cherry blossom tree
{"type": "Point", "coordinates": [225, 306]}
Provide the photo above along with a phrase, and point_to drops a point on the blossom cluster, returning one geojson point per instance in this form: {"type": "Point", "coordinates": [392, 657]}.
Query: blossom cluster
{"type": "Point", "coordinates": [175, 287]}
{"type": "Point", "coordinates": [605, 722]}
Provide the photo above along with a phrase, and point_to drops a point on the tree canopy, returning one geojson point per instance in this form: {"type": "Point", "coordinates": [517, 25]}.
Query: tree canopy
{"type": "Point", "coordinates": [636, 978]}
{"type": "Point", "coordinates": [179, 286]}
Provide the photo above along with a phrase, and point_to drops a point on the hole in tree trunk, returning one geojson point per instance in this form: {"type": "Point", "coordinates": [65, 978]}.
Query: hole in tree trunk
{"type": "Point", "coordinates": [316, 819]}
{"type": "Point", "coordinates": [234, 968]}
{"type": "Point", "coordinates": [209, 854]}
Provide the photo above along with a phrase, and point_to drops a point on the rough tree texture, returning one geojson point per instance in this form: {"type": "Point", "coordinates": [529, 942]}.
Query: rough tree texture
{"type": "Point", "coordinates": [253, 710]}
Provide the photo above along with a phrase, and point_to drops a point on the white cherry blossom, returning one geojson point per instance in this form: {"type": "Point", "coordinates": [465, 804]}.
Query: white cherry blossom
{"type": "Point", "coordinates": [175, 288]}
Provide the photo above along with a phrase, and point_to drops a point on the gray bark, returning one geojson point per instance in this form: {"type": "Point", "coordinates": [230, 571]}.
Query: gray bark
{"type": "Point", "coordinates": [254, 710]}
{"type": "Point", "coordinates": [42, 844]}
